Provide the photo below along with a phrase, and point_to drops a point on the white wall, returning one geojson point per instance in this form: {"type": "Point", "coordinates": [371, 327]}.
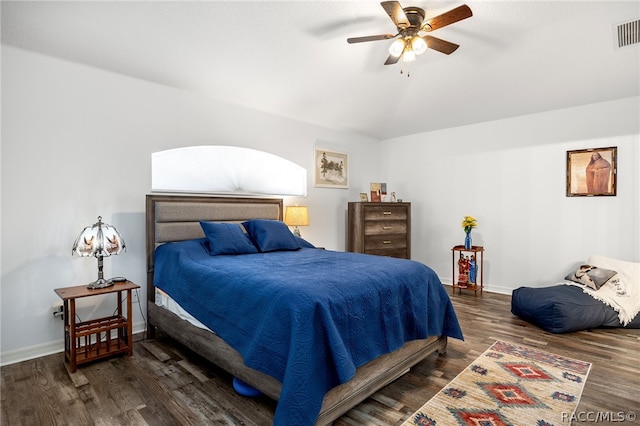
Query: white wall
{"type": "Point", "coordinates": [77, 143]}
{"type": "Point", "coordinates": [510, 175]}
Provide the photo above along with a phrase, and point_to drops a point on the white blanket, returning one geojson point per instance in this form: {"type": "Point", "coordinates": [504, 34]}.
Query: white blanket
{"type": "Point", "coordinates": [622, 291]}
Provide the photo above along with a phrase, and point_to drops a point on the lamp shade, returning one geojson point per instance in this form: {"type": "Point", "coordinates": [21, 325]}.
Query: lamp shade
{"type": "Point", "coordinates": [297, 216]}
{"type": "Point", "coordinates": [408, 55]}
{"type": "Point", "coordinates": [99, 240]}
{"type": "Point", "coordinates": [418, 45]}
{"type": "Point", "coordinates": [397, 47]}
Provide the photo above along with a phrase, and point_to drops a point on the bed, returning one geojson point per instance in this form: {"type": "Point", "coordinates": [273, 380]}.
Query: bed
{"type": "Point", "coordinates": [602, 292]}
{"type": "Point", "coordinates": [176, 219]}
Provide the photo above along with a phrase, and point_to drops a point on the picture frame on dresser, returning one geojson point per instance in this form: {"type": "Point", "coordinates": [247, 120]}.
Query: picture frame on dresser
{"type": "Point", "coordinates": [330, 168]}
{"type": "Point", "coordinates": [378, 191]}
{"type": "Point", "coordinates": [364, 197]}
{"type": "Point", "coordinates": [592, 172]}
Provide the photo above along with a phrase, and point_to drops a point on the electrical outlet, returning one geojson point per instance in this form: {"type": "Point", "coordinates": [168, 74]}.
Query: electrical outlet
{"type": "Point", "coordinates": [134, 296]}
{"type": "Point", "coordinates": [57, 310]}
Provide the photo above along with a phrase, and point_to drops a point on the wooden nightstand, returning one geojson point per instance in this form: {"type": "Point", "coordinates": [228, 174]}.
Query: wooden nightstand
{"type": "Point", "coordinates": [91, 340]}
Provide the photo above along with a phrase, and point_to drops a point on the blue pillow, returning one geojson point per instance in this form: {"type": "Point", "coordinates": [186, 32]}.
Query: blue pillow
{"type": "Point", "coordinates": [304, 243]}
{"type": "Point", "coordinates": [271, 235]}
{"type": "Point", "coordinates": [227, 238]}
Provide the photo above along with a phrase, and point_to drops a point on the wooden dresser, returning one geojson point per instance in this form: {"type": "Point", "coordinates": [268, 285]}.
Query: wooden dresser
{"type": "Point", "coordinates": [383, 229]}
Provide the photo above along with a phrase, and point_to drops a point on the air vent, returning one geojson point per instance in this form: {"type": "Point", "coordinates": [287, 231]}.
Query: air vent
{"type": "Point", "coordinates": [627, 33]}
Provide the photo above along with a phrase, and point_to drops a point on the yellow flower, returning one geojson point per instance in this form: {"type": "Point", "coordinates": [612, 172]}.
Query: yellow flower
{"type": "Point", "coordinates": [469, 223]}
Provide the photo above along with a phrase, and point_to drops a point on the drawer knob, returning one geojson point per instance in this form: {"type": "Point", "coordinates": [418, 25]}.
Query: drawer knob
{"type": "Point", "coordinates": [386, 242]}
{"type": "Point", "coordinates": [386, 227]}
{"type": "Point", "coordinates": [386, 212]}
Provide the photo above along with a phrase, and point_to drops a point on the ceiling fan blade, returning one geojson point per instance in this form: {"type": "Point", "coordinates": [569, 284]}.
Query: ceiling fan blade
{"type": "Point", "coordinates": [397, 15]}
{"type": "Point", "coordinates": [392, 60]}
{"type": "Point", "coordinates": [370, 38]}
{"type": "Point", "coordinates": [447, 18]}
{"type": "Point", "coordinates": [440, 45]}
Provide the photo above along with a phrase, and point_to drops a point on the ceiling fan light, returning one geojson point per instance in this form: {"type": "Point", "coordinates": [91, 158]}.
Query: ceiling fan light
{"type": "Point", "coordinates": [418, 45]}
{"type": "Point", "coordinates": [409, 55]}
{"type": "Point", "coordinates": [397, 47]}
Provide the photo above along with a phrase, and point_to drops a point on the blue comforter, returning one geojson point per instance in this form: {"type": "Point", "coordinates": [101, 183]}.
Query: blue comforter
{"type": "Point", "coordinates": [309, 317]}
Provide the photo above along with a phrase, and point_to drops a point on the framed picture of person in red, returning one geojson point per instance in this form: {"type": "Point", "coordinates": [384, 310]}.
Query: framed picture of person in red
{"type": "Point", "coordinates": [591, 172]}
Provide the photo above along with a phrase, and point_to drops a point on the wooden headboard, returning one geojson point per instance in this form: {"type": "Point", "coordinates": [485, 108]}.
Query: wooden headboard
{"type": "Point", "coordinates": [171, 218]}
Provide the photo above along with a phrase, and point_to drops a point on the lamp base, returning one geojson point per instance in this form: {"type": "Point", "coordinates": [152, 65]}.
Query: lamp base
{"type": "Point", "coordinates": [100, 283]}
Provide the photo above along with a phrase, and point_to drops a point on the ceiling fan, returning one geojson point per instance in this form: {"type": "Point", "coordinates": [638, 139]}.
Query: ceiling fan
{"type": "Point", "coordinates": [411, 26]}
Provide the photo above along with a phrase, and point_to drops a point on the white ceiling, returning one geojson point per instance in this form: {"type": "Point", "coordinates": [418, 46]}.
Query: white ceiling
{"type": "Point", "coordinates": [292, 58]}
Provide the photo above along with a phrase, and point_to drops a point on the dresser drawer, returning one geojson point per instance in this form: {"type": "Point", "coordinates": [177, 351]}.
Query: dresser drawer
{"type": "Point", "coordinates": [384, 227]}
{"type": "Point", "coordinates": [385, 212]}
{"type": "Point", "coordinates": [376, 242]}
{"type": "Point", "coordinates": [400, 253]}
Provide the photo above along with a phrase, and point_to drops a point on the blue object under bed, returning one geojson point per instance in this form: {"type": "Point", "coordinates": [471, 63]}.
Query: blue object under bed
{"type": "Point", "coordinates": [307, 317]}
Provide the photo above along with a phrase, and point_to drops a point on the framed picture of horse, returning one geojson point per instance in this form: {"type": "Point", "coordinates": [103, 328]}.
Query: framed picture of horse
{"type": "Point", "coordinates": [331, 168]}
{"type": "Point", "coordinates": [592, 172]}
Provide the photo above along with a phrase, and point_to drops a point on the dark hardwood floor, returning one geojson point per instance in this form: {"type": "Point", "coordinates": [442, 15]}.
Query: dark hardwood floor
{"type": "Point", "coordinates": [165, 384]}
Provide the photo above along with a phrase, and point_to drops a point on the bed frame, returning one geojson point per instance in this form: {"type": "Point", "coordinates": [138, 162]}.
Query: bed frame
{"type": "Point", "coordinates": [176, 218]}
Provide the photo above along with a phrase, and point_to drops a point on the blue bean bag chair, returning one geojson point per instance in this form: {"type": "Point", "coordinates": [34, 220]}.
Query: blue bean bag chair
{"type": "Point", "coordinates": [564, 308]}
{"type": "Point", "coordinates": [587, 302]}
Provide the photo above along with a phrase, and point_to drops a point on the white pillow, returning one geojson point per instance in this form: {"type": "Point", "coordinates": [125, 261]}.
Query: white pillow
{"type": "Point", "coordinates": [629, 272]}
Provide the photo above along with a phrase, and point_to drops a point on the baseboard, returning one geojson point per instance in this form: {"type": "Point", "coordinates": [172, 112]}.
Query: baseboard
{"type": "Point", "coordinates": [44, 349]}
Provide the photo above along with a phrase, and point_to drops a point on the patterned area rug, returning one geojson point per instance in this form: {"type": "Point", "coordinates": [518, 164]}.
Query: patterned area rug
{"type": "Point", "coordinates": [508, 385]}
